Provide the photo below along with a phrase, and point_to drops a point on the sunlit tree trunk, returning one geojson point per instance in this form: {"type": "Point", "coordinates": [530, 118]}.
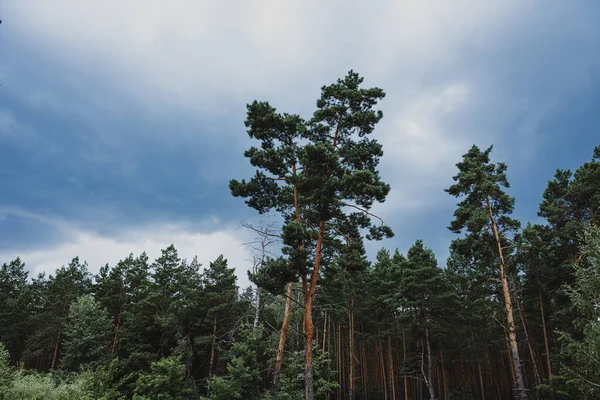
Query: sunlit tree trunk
{"type": "Point", "coordinates": [308, 322]}
{"type": "Point", "coordinates": [512, 336]}
{"type": "Point", "coordinates": [282, 338]}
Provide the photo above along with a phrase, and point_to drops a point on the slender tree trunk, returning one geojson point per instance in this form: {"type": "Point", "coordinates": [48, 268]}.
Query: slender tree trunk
{"type": "Point", "coordinates": [342, 363]}
{"type": "Point", "coordinates": [56, 347]}
{"type": "Point", "coordinates": [462, 373]}
{"type": "Point", "coordinates": [324, 332]}
{"type": "Point", "coordinates": [471, 380]}
{"type": "Point", "coordinates": [509, 379]}
{"type": "Point", "coordinates": [117, 326]}
{"type": "Point", "coordinates": [391, 368]}
{"type": "Point", "coordinates": [397, 360]}
{"type": "Point", "coordinates": [257, 309]}
{"type": "Point", "coordinates": [288, 301]}
{"type": "Point", "coordinates": [282, 338]}
{"type": "Point", "coordinates": [444, 379]}
{"type": "Point", "coordinates": [545, 334]}
{"type": "Point", "coordinates": [329, 329]}
{"type": "Point", "coordinates": [212, 348]}
{"type": "Point", "coordinates": [382, 363]}
{"type": "Point", "coordinates": [211, 362]}
{"type": "Point", "coordinates": [429, 377]}
{"type": "Point", "coordinates": [439, 380]}
{"type": "Point", "coordinates": [510, 363]}
{"type": "Point", "coordinates": [351, 361]}
{"type": "Point", "coordinates": [512, 336]}
{"type": "Point", "coordinates": [536, 372]}
{"type": "Point", "coordinates": [308, 306]}
{"type": "Point", "coordinates": [364, 371]}
{"type": "Point", "coordinates": [481, 385]}
{"type": "Point", "coordinates": [338, 351]}
{"type": "Point", "coordinates": [404, 361]}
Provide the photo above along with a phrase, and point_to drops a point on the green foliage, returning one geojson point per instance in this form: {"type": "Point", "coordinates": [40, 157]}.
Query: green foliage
{"type": "Point", "coordinates": [121, 290]}
{"type": "Point", "coordinates": [327, 164]}
{"type": "Point", "coordinates": [117, 380]}
{"type": "Point", "coordinates": [87, 333]}
{"type": "Point", "coordinates": [481, 184]}
{"type": "Point", "coordinates": [166, 380]}
{"type": "Point", "coordinates": [15, 298]}
{"type": "Point", "coordinates": [426, 293]}
{"type": "Point", "coordinates": [581, 374]}
{"type": "Point", "coordinates": [32, 386]}
{"type": "Point", "coordinates": [291, 384]}
{"type": "Point", "coordinates": [220, 284]}
{"type": "Point", "coordinates": [6, 372]}
{"type": "Point", "coordinates": [243, 380]}
{"type": "Point", "coordinates": [54, 297]}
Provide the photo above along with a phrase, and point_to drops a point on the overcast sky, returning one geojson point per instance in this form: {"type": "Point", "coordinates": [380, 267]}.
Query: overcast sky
{"type": "Point", "coordinates": [122, 122]}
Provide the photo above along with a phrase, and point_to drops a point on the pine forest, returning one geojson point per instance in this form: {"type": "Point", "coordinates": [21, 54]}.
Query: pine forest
{"type": "Point", "coordinates": [513, 313]}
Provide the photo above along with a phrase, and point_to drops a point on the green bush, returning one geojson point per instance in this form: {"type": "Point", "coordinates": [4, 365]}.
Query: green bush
{"type": "Point", "coordinates": [47, 387]}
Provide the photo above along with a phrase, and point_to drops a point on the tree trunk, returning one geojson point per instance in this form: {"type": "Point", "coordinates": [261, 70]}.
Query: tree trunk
{"type": "Point", "coordinates": [308, 306]}
{"type": "Point", "coordinates": [462, 373]}
{"type": "Point", "coordinates": [117, 326]}
{"type": "Point", "coordinates": [339, 360]}
{"type": "Point", "coordinates": [212, 354]}
{"type": "Point", "coordinates": [391, 368]}
{"type": "Point", "coordinates": [429, 377]}
{"type": "Point", "coordinates": [257, 309]}
{"type": "Point", "coordinates": [510, 363]}
{"type": "Point", "coordinates": [364, 371]}
{"type": "Point", "coordinates": [481, 385]}
{"type": "Point", "coordinates": [282, 338]}
{"type": "Point", "coordinates": [536, 372]}
{"type": "Point", "coordinates": [439, 381]}
{"type": "Point", "coordinates": [382, 363]}
{"type": "Point", "coordinates": [212, 348]}
{"type": "Point", "coordinates": [545, 334]}
{"type": "Point", "coordinates": [512, 336]}
{"type": "Point", "coordinates": [444, 379]}
{"type": "Point", "coordinates": [56, 347]}
{"type": "Point", "coordinates": [351, 360]}
{"type": "Point", "coordinates": [324, 332]}
{"type": "Point", "coordinates": [404, 361]}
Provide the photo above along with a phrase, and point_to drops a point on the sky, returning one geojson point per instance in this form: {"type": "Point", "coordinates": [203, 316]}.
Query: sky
{"type": "Point", "coordinates": [122, 122]}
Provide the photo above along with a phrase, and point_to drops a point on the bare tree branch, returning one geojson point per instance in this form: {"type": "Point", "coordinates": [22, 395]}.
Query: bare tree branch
{"type": "Point", "coordinates": [362, 210]}
{"type": "Point", "coordinates": [259, 231]}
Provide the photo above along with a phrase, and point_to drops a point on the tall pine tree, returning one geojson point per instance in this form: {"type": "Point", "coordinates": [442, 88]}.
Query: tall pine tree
{"type": "Point", "coordinates": [484, 215]}
{"type": "Point", "coordinates": [332, 179]}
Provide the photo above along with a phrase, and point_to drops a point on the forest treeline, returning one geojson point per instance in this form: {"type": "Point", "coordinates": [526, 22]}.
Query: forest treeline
{"type": "Point", "coordinates": [513, 313]}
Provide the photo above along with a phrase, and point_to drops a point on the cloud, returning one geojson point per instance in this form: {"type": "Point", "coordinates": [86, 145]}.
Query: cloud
{"type": "Point", "coordinates": [203, 54]}
{"type": "Point", "coordinates": [138, 106]}
{"type": "Point", "coordinates": [98, 250]}
{"type": "Point", "coordinates": [7, 123]}
{"type": "Point", "coordinates": [419, 149]}
{"type": "Point", "coordinates": [11, 129]}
